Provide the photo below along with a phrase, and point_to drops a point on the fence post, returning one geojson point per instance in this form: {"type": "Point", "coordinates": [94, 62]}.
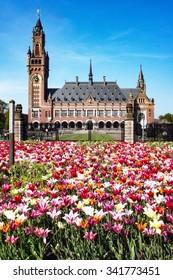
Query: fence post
{"type": "Point", "coordinates": [89, 130]}
{"type": "Point", "coordinates": [129, 124]}
{"type": "Point", "coordinates": [11, 132]}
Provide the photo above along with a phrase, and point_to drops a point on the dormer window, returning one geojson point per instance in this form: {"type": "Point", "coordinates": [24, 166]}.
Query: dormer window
{"type": "Point", "coordinates": [90, 100]}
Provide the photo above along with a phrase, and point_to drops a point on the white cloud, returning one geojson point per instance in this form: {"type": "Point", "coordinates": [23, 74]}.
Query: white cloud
{"type": "Point", "coordinates": [120, 34]}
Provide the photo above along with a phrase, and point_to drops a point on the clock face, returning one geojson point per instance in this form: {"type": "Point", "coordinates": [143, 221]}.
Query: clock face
{"type": "Point", "coordinates": [36, 79]}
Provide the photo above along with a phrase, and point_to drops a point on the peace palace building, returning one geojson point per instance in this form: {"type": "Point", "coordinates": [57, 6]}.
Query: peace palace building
{"type": "Point", "coordinates": [76, 103]}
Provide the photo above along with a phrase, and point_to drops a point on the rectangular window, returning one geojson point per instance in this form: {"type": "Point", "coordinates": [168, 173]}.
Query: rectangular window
{"type": "Point", "coordinates": [57, 113]}
{"type": "Point", "coordinates": [108, 113]}
{"type": "Point", "coordinates": [78, 113]}
{"type": "Point", "coordinates": [64, 113]}
{"type": "Point", "coordinates": [90, 113]}
{"type": "Point", "coordinates": [35, 114]}
{"type": "Point", "coordinates": [71, 113]}
{"type": "Point", "coordinates": [114, 113]}
{"type": "Point", "coordinates": [100, 113]}
{"type": "Point", "coordinates": [45, 114]}
{"type": "Point", "coordinates": [123, 113]}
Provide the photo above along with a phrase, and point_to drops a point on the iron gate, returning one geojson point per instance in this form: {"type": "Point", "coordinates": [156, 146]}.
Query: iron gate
{"type": "Point", "coordinates": [159, 132]}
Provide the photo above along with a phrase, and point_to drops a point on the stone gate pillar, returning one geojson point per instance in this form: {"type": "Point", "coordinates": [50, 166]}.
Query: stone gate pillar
{"type": "Point", "coordinates": [129, 124]}
{"type": "Point", "coordinates": [18, 123]}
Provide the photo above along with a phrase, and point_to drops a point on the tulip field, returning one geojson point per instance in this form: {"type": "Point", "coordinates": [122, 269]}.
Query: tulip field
{"type": "Point", "coordinates": [86, 201]}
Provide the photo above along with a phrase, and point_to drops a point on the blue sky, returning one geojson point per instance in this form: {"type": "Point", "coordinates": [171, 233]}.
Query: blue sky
{"type": "Point", "coordinates": [118, 36]}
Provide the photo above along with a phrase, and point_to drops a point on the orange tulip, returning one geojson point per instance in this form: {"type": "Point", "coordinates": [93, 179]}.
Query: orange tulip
{"type": "Point", "coordinates": [115, 197]}
{"type": "Point", "coordinates": [71, 187]}
{"type": "Point", "coordinates": [5, 228]}
{"type": "Point", "coordinates": [141, 226]}
{"type": "Point", "coordinates": [100, 192]}
{"type": "Point", "coordinates": [92, 201]}
{"type": "Point", "coordinates": [19, 222]}
{"type": "Point", "coordinates": [84, 223]}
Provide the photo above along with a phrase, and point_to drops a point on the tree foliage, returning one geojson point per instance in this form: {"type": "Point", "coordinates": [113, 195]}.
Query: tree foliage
{"type": "Point", "coordinates": [2, 120]}
{"type": "Point", "coordinates": [4, 115]}
{"type": "Point", "coordinates": [167, 118]}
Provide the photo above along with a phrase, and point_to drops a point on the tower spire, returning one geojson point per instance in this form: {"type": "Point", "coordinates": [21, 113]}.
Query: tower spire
{"type": "Point", "coordinates": [141, 76]}
{"type": "Point", "coordinates": [141, 82]}
{"type": "Point", "coordinates": [90, 74]}
{"type": "Point", "coordinates": [38, 26]}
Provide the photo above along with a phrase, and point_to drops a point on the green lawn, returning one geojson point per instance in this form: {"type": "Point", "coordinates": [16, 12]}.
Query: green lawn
{"type": "Point", "coordinates": [84, 137]}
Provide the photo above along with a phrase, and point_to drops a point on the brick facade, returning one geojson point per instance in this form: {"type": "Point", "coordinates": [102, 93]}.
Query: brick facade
{"type": "Point", "coordinates": [72, 106]}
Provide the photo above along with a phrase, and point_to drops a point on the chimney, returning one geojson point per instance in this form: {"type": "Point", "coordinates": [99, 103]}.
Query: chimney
{"type": "Point", "coordinates": [104, 80]}
{"type": "Point", "coordinates": [77, 80]}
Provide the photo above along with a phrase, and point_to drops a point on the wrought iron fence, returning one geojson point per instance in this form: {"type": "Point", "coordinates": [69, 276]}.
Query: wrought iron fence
{"type": "Point", "coordinates": [53, 132]}
{"type": "Point", "coordinates": [154, 132]}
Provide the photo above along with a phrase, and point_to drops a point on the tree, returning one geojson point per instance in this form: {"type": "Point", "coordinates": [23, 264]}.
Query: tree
{"type": "Point", "coordinates": [167, 118]}
{"type": "Point", "coordinates": [6, 124]}
{"type": "Point", "coordinates": [2, 121]}
{"type": "Point", "coordinates": [4, 115]}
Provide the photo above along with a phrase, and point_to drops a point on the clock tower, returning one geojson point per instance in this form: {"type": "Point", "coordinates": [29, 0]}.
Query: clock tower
{"type": "Point", "coordinates": [38, 73]}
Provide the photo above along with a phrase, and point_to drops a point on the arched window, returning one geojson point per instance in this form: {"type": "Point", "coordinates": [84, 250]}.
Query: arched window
{"type": "Point", "coordinates": [116, 124]}
{"type": "Point", "coordinates": [101, 124]}
{"type": "Point", "coordinates": [64, 124]}
{"type": "Point", "coordinates": [71, 124]}
{"type": "Point", "coordinates": [57, 125]}
{"type": "Point", "coordinates": [79, 125]}
{"type": "Point", "coordinates": [37, 49]}
{"type": "Point", "coordinates": [108, 124]}
{"type": "Point", "coordinates": [141, 117]}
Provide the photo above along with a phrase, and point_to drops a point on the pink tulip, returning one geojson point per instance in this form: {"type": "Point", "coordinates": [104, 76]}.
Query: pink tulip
{"type": "Point", "coordinates": [11, 239]}
{"type": "Point", "coordinates": [90, 235]}
{"type": "Point", "coordinates": [71, 217]}
{"type": "Point", "coordinates": [41, 232]}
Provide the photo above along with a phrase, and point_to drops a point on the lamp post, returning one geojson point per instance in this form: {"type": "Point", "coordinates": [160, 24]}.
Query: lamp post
{"type": "Point", "coordinates": [11, 132]}
{"type": "Point", "coordinates": [143, 132]}
{"type": "Point", "coordinates": [89, 124]}
{"type": "Point", "coordinates": [57, 133]}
